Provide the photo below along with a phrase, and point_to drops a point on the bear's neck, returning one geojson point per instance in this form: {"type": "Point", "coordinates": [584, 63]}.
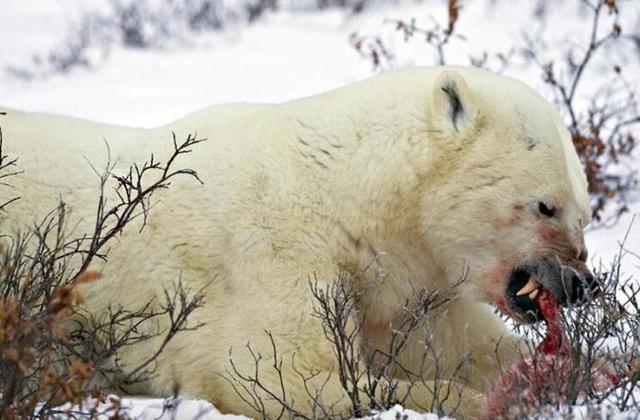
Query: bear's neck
{"type": "Point", "coordinates": [370, 175]}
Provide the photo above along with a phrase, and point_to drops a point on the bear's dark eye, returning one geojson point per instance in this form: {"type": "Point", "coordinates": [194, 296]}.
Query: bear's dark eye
{"type": "Point", "coordinates": [546, 209]}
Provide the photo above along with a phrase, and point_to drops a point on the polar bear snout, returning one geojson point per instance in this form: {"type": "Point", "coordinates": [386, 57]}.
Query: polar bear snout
{"type": "Point", "coordinates": [571, 283]}
{"type": "Point", "coordinates": [579, 284]}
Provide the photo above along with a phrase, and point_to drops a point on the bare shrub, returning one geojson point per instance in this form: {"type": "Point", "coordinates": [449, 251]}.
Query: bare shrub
{"type": "Point", "coordinates": [372, 49]}
{"type": "Point", "coordinates": [437, 35]}
{"type": "Point", "coordinates": [599, 363]}
{"type": "Point", "coordinates": [369, 378]}
{"type": "Point", "coordinates": [8, 166]}
{"type": "Point", "coordinates": [204, 15]}
{"type": "Point", "coordinates": [355, 6]}
{"type": "Point", "coordinates": [603, 132]}
{"type": "Point", "coordinates": [52, 351]}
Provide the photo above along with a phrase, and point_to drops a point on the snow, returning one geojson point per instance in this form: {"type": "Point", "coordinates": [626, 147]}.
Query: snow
{"type": "Point", "coordinates": [180, 408]}
{"type": "Point", "coordinates": [398, 412]}
{"type": "Point", "coordinates": [260, 63]}
{"type": "Point", "coordinates": [153, 409]}
{"type": "Point", "coordinates": [285, 55]}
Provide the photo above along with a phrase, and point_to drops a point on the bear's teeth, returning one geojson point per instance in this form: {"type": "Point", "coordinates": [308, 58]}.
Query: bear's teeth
{"type": "Point", "coordinates": [533, 294]}
{"type": "Point", "coordinates": [528, 288]}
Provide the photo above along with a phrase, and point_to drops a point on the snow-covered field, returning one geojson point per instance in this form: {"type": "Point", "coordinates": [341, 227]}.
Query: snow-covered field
{"type": "Point", "coordinates": [179, 409]}
{"type": "Point", "coordinates": [283, 56]}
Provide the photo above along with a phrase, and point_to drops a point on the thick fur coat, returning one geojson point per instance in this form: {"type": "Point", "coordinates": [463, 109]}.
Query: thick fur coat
{"type": "Point", "coordinates": [407, 181]}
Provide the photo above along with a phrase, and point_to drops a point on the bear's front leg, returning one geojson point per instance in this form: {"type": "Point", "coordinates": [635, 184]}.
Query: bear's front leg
{"type": "Point", "coordinates": [312, 364]}
{"type": "Point", "coordinates": [491, 347]}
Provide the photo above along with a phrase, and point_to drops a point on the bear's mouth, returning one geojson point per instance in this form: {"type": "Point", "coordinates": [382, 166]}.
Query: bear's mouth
{"type": "Point", "coordinates": [569, 284]}
{"type": "Point", "coordinates": [523, 296]}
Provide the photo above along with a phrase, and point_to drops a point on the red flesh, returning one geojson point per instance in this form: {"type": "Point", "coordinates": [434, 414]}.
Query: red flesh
{"type": "Point", "coordinates": [555, 342]}
{"type": "Point", "coordinates": [525, 382]}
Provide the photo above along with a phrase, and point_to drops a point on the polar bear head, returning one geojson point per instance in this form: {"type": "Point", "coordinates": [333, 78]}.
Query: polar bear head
{"type": "Point", "coordinates": [508, 198]}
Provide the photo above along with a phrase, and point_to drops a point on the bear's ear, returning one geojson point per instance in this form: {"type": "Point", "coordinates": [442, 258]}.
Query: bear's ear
{"type": "Point", "coordinates": [454, 109]}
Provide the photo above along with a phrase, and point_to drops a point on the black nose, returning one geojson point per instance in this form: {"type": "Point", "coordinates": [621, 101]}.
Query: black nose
{"type": "Point", "coordinates": [580, 287]}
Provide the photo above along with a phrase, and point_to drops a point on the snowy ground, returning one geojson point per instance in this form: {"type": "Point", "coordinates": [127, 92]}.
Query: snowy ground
{"type": "Point", "coordinates": [281, 57]}
{"type": "Point", "coordinates": [157, 409]}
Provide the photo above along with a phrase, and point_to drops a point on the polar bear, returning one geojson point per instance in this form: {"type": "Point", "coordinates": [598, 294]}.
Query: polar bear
{"type": "Point", "coordinates": [408, 181]}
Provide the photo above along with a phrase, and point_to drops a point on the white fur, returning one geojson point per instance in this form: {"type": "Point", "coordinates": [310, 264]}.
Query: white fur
{"type": "Point", "coordinates": [373, 177]}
